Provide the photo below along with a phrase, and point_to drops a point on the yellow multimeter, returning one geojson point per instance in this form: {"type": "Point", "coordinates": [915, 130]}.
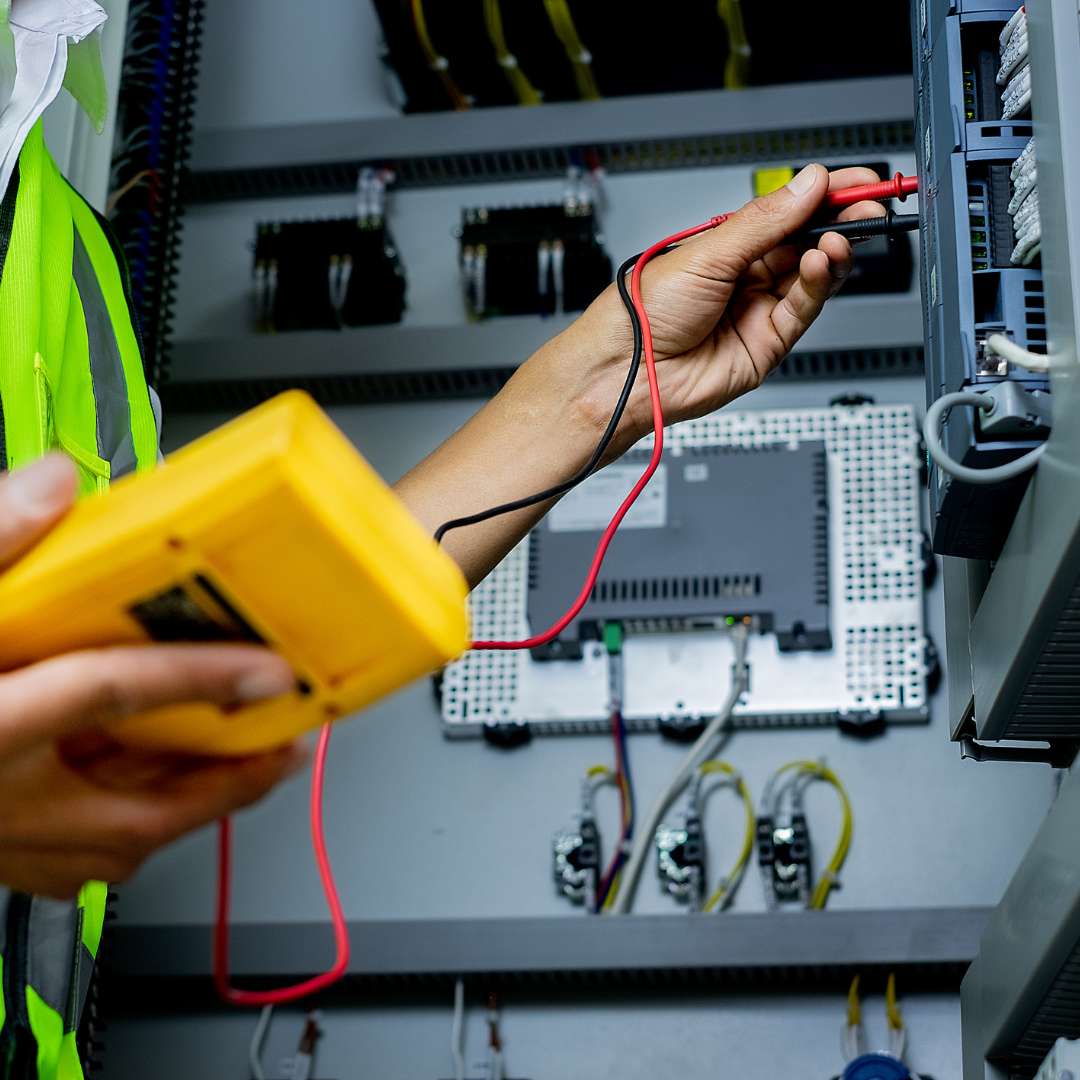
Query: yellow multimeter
{"type": "Point", "coordinates": [272, 529]}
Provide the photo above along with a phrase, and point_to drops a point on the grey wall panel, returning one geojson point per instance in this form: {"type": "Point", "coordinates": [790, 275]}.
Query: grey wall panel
{"type": "Point", "coordinates": [679, 1036]}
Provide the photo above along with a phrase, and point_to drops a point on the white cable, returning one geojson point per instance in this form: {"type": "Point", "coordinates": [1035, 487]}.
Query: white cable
{"type": "Point", "coordinates": [1000, 345]}
{"type": "Point", "coordinates": [702, 748]}
{"type": "Point", "coordinates": [258, 1037]}
{"type": "Point", "coordinates": [457, 1031]}
{"type": "Point", "coordinates": [936, 449]}
{"type": "Point", "coordinates": [1018, 16]}
{"type": "Point", "coordinates": [558, 258]}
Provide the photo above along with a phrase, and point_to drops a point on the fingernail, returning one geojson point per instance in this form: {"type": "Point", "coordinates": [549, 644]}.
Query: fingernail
{"type": "Point", "coordinates": [41, 488]}
{"type": "Point", "coordinates": [266, 682]}
{"type": "Point", "coordinates": [802, 182]}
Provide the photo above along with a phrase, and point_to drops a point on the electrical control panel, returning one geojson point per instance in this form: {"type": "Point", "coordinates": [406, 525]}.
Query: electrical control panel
{"type": "Point", "coordinates": [977, 280]}
{"type": "Point", "coordinates": [876, 669]}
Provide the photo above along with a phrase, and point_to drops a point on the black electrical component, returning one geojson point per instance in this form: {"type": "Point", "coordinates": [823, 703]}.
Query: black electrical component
{"type": "Point", "coordinates": [322, 275]}
{"type": "Point", "coordinates": [576, 861]}
{"type": "Point", "coordinates": [532, 260]}
{"type": "Point", "coordinates": [784, 860]}
{"type": "Point", "coordinates": [680, 860]}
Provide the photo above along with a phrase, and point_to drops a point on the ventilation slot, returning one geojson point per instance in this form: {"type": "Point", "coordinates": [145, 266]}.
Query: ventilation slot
{"type": "Point", "coordinates": [724, 587]}
{"type": "Point", "coordinates": [1057, 1017]}
{"type": "Point", "coordinates": [685, 152]}
{"type": "Point", "coordinates": [1050, 703]}
{"type": "Point", "coordinates": [384, 388]}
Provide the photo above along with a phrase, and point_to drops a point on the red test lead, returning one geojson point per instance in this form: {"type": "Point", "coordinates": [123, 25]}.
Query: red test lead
{"type": "Point", "coordinates": [899, 187]}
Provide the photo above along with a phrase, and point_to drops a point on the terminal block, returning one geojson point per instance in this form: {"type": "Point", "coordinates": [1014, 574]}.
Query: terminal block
{"type": "Point", "coordinates": [971, 288]}
{"type": "Point", "coordinates": [784, 860]}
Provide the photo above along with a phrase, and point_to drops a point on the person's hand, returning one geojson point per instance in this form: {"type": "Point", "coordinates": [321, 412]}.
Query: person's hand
{"type": "Point", "coordinates": [725, 307]}
{"type": "Point", "coordinates": [74, 804]}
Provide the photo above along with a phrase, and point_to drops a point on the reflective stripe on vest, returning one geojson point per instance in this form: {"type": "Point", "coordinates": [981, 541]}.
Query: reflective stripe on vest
{"type": "Point", "coordinates": [71, 378]}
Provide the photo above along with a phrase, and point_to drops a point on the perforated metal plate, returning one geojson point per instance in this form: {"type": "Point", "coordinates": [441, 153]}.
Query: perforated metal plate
{"type": "Point", "coordinates": [877, 665]}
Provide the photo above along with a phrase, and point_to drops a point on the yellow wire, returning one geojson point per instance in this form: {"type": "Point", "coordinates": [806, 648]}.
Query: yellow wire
{"type": "Point", "coordinates": [892, 1010]}
{"type": "Point", "coordinates": [595, 771]}
{"type": "Point", "coordinates": [854, 1005]}
{"type": "Point", "coordinates": [737, 66]}
{"type": "Point", "coordinates": [827, 882]}
{"type": "Point", "coordinates": [562, 22]}
{"type": "Point", "coordinates": [436, 61]}
{"type": "Point", "coordinates": [728, 883]}
{"type": "Point", "coordinates": [527, 94]}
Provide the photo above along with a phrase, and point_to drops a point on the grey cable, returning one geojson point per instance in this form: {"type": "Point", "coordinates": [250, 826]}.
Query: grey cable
{"type": "Point", "coordinates": [936, 449]}
{"type": "Point", "coordinates": [258, 1038]}
{"type": "Point", "coordinates": [706, 745]}
{"type": "Point", "coordinates": [457, 1031]}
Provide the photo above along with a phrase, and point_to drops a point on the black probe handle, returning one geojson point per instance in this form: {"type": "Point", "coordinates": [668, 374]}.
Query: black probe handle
{"type": "Point", "coordinates": [891, 224]}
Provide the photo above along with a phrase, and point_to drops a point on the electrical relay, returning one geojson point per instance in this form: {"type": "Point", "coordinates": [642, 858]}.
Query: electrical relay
{"type": "Point", "coordinates": [271, 530]}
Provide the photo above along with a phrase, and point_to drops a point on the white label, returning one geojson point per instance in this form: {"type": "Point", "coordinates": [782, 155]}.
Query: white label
{"type": "Point", "coordinates": [922, 14]}
{"type": "Point", "coordinates": [927, 147]}
{"type": "Point", "coordinates": [589, 507]}
{"type": "Point", "coordinates": [933, 285]}
{"type": "Point", "coordinates": [696, 473]}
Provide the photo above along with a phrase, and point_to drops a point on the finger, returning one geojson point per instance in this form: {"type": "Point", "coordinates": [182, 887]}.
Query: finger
{"type": "Point", "coordinates": [60, 873]}
{"type": "Point", "coordinates": [858, 211]}
{"type": "Point", "coordinates": [760, 225]}
{"type": "Point", "coordinates": [801, 305]}
{"type": "Point", "coordinates": [131, 824]}
{"type": "Point", "coordinates": [215, 791]}
{"type": "Point", "coordinates": [841, 257]}
{"type": "Point", "coordinates": [94, 688]}
{"type": "Point", "coordinates": [32, 500]}
{"type": "Point", "coordinates": [852, 176]}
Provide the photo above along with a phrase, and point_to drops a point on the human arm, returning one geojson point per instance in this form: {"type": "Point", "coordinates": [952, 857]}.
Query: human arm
{"type": "Point", "coordinates": [725, 308]}
{"type": "Point", "coordinates": [74, 804]}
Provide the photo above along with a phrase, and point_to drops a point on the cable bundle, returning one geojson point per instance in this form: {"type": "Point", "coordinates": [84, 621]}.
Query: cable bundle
{"type": "Point", "coordinates": [154, 125]}
{"type": "Point", "coordinates": [1024, 207]}
{"type": "Point", "coordinates": [1014, 74]}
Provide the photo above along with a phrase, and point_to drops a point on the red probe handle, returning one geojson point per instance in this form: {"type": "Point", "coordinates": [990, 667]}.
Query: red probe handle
{"type": "Point", "coordinates": [899, 187]}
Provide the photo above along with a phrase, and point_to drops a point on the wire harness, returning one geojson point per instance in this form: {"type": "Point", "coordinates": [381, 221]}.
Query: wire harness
{"type": "Point", "coordinates": [1024, 207]}
{"type": "Point", "coordinates": [708, 743]}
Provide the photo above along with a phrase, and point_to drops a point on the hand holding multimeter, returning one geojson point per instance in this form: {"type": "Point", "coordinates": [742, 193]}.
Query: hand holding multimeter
{"type": "Point", "coordinates": [74, 804]}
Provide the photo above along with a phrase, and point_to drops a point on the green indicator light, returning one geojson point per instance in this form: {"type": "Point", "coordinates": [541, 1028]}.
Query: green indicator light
{"type": "Point", "coordinates": [730, 620]}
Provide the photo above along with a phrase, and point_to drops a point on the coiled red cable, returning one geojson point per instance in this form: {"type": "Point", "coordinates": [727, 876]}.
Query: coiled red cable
{"type": "Point", "coordinates": [285, 994]}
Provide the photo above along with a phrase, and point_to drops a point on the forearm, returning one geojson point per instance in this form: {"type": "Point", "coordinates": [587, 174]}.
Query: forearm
{"type": "Point", "coordinates": [536, 432]}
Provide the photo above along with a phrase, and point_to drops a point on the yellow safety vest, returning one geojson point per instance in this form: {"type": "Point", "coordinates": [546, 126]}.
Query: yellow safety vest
{"type": "Point", "coordinates": [71, 378]}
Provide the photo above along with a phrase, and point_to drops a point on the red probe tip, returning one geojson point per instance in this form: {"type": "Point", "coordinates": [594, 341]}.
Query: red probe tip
{"type": "Point", "coordinates": [899, 187]}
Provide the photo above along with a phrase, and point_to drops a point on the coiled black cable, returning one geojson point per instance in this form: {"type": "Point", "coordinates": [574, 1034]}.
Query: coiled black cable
{"type": "Point", "coordinates": [597, 455]}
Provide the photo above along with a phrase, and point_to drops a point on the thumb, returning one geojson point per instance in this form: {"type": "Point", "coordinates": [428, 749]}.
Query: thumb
{"type": "Point", "coordinates": [32, 500]}
{"type": "Point", "coordinates": [766, 222]}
